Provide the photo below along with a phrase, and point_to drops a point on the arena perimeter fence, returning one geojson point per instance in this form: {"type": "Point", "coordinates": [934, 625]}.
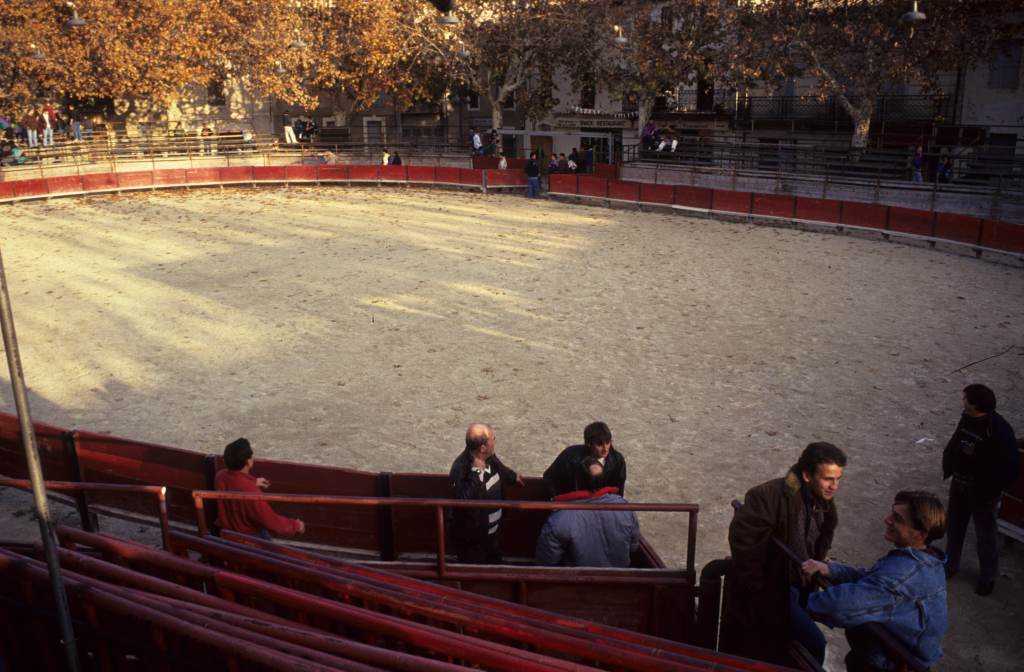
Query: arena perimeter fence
{"type": "Point", "coordinates": [233, 161]}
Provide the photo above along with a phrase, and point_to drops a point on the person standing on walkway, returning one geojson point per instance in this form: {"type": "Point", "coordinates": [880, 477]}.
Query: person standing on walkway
{"type": "Point", "coordinates": [982, 459]}
{"type": "Point", "coordinates": [532, 169]}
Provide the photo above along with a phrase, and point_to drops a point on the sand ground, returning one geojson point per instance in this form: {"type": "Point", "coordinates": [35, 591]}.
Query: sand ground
{"type": "Point", "coordinates": [366, 328]}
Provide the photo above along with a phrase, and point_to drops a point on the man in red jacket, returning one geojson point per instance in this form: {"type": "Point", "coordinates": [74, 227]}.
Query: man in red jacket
{"type": "Point", "coordinates": [249, 516]}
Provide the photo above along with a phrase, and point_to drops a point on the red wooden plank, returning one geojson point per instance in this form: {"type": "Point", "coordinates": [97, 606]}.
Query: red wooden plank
{"type": "Point", "coordinates": [864, 214]}
{"type": "Point", "coordinates": [420, 173]}
{"type": "Point", "coordinates": [170, 176]}
{"type": "Point", "coordinates": [506, 178]}
{"type": "Point", "coordinates": [301, 173]}
{"type": "Point", "coordinates": [485, 162]}
{"type": "Point", "coordinates": [694, 197]}
{"type": "Point", "coordinates": [590, 185]}
{"type": "Point", "coordinates": [6, 190]}
{"type": "Point", "coordinates": [818, 209]}
{"type": "Point", "coordinates": [268, 173]}
{"type": "Point", "coordinates": [962, 228]}
{"type": "Point", "coordinates": [236, 174]}
{"type": "Point", "coordinates": [606, 170]}
{"type": "Point", "coordinates": [99, 181]}
{"type": "Point", "coordinates": [446, 174]}
{"type": "Point", "coordinates": [364, 172]}
{"type": "Point", "coordinates": [49, 440]}
{"type": "Point", "coordinates": [908, 220]}
{"type": "Point", "coordinates": [1002, 236]}
{"type": "Point", "coordinates": [731, 201]}
{"type": "Point", "coordinates": [563, 184]}
{"type": "Point", "coordinates": [773, 205]}
{"type": "Point", "coordinates": [624, 191]}
{"type": "Point", "coordinates": [657, 193]}
{"type": "Point", "coordinates": [64, 184]}
{"type": "Point", "coordinates": [516, 164]}
{"type": "Point", "coordinates": [328, 173]}
{"type": "Point", "coordinates": [36, 187]}
{"type": "Point", "coordinates": [471, 176]}
{"type": "Point", "coordinates": [202, 175]}
{"type": "Point", "coordinates": [135, 178]}
{"type": "Point", "coordinates": [393, 173]}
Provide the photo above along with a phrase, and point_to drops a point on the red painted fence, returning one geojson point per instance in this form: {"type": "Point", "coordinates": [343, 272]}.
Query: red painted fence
{"type": "Point", "coordinates": [603, 184]}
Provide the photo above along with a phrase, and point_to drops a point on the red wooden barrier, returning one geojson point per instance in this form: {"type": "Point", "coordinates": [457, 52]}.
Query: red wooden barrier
{"type": "Point", "coordinates": [168, 176]}
{"type": "Point", "coordinates": [393, 173]}
{"type": "Point", "coordinates": [818, 209]}
{"type": "Point", "coordinates": [300, 173]}
{"type": "Point", "coordinates": [962, 228]}
{"type": "Point", "coordinates": [420, 173]}
{"type": "Point", "coordinates": [506, 178]}
{"type": "Point", "coordinates": [36, 187]}
{"type": "Point", "coordinates": [624, 191]}
{"type": "Point", "coordinates": [202, 175]}
{"type": "Point", "coordinates": [138, 178]}
{"type": "Point", "coordinates": [236, 174]}
{"type": "Point", "coordinates": [864, 214]}
{"type": "Point", "coordinates": [905, 220]}
{"type": "Point", "coordinates": [268, 173]}
{"type": "Point", "coordinates": [64, 184]}
{"type": "Point", "coordinates": [773, 205]}
{"type": "Point", "coordinates": [447, 175]}
{"type": "Point", "coordinates": [50, 441]}
{"type": "Point", "coordinates": [6, 190]}
{"type": "Point", "coordinates": [731, 201]}
{"type": "Point", "coordinates": [332, 173]}
{"type": "Point", "coordinates": [471, 176]}
{"type": "Point", "coordinates": [563, 184]}
{"type": "Point", "coordinates": [485, 162]}
{"type": "Point", "coordinates": [606, 170]}
{"type": "Point", "coordinates": [364, 173]}
{"type": "Point", "coordinates": [588, 185]}
{"type": "Point", "coordinates": [99, 181]}
{"type": "Point", "coordinates": [1003, 236]}
{"type": "Point", "coordinates": [657, 193]}
{"type": "Point", "coordinates": [694, 197]}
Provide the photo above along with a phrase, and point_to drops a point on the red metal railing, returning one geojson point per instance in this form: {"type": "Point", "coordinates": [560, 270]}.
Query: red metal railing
{"type": "Point", "coordinates": [158, 491]}
{"type": "Point", "coordinates": [439, 505]}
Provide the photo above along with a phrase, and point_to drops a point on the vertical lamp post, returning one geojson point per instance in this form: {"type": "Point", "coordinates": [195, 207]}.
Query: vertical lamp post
{"type": "Point", "coordinates": [35, 471]}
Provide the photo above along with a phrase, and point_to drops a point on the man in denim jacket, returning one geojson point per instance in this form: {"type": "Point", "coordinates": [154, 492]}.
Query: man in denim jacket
{"type": "Point", "coordinates": [905, 591]}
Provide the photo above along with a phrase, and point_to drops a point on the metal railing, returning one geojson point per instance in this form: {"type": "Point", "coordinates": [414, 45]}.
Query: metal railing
{"type": "Point", "coordinates": [887, 109]}
{"type": "Point", "coordinates": [976, 169]}
{"type": "Point", "coordinates": [439, 506]}
{"type": "Point", "coordinates": [157, 491]}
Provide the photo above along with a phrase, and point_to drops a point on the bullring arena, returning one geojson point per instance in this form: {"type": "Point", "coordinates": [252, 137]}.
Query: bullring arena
{"type": "Point", "coordinates": [366, 327]}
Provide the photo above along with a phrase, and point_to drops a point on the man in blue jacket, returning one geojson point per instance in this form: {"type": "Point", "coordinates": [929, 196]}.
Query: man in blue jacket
{"type": "Point", "coordinates": [585, 538]}
{"type": "Point", "coordinates": [905, 591]}
{"type": "Point", "coordinates": [983, 460]}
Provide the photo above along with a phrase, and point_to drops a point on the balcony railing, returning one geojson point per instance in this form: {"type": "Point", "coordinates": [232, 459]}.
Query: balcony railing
{"type": "Point", "coordinates": [809, 108]}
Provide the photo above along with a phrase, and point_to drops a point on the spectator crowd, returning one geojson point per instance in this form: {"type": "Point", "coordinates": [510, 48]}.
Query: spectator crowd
{"type": "Point", "coordinates": [780, 584]}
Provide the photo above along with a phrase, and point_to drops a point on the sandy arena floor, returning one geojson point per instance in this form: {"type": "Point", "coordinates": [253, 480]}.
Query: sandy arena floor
{"type": "Point", "coordinates": [367, 327]}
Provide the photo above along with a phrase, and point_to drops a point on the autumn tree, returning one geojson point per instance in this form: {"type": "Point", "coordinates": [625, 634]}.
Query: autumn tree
{"type": "Point", "coordinates": [652, 47]}
{"type": "Point", "coordinates": [856, 50]}
{"type": "Point", "coordinates": [505, 48]}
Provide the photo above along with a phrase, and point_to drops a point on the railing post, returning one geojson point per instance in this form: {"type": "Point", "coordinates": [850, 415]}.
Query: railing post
{"type": "Point", "coordinates": [89, 521]}
{"type": "Point", "coordinates": [691, 542]}
{"type": "Point", "coordinates": [439, 519]}
{"type": "Point", "coordinates": [165, 533]}
{"type": "Point", "coordinates": [385, 518]}
{"type": "Point", "coordinates": [197, 499]}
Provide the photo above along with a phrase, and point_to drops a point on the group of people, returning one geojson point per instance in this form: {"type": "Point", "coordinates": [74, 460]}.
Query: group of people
{"type": "Point", "coordinates": [779, 538]}
{"type": "Point", "coordinates": [298, 129]}
{"type": "Point", "coordinates": [38, 127]}
{"type": "Point", "coordinates": [482, 148]}
{"type": "Point", "coordinates": [654, 139]}
{"type": "Point", "coordinates": [388, 158]}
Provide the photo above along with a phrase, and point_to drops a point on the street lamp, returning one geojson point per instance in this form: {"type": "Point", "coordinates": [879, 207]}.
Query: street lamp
{"type": "Point", "coordinates": [37, 53]}
{"type": "Point", "coordinates": [298, 43]}
{"type": "Point", "coordinates": [620, 39]}
{"type": "Point", "coordinates": [447, 19]}
{"type": "Point", "coordinates": [75, 21]}
{"type": "Point", "coordinates": [913, 16]}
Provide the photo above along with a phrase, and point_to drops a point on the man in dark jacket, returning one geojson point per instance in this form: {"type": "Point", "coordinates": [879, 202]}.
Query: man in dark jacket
{"type": "Point", "coordinates": [478, 474]}
{"type": "Point", "coordinates": [584, 538]}
{"type": "Point", "coordinates": [763, 610]}
{"type": "Point", "coordinates": [532, 170]}
{"type": "Point", "coordinates": [564, 473]}
{"type": "Point", "coordinates": [983, 460]}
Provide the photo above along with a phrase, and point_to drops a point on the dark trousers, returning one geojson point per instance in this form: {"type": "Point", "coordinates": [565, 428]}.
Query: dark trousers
{"type": "Point", "coordinates": [964, 505]}
{"type": "Point", "coordinates": [803, 628]}
{"type": "Point", "coordinates": [484, 552]}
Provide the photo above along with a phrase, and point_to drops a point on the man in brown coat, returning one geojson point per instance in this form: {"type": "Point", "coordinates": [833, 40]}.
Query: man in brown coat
{"type": "Point", "coordinates": [765, 590]}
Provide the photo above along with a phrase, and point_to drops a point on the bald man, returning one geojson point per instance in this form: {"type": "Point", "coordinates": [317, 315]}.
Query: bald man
{"type": "Point", "coordinates": [478, 474]}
